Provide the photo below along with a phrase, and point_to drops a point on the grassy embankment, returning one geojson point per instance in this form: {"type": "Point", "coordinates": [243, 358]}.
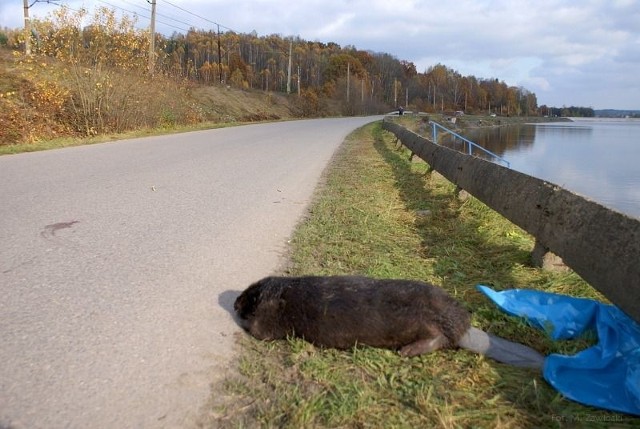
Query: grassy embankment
{"type": "Point", "coordinates": [36, 112]}
{"type": "Point", "coordinates": [366, 220]}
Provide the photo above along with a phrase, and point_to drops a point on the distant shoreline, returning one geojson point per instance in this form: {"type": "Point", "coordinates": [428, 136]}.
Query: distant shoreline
{"type": "Point", "coordinates": [606, 119]}
{"type": "Point", "coordinates": [482, 121]}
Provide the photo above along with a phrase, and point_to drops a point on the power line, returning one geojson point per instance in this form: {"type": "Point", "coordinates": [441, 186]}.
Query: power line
{"type": "Point", "coordinates": [54, 2]}
{"type": "Point", "coordinates": [172, 26]}
{"type": "Point", "coordinates": [198, 16]}
{"type": "Point", "coordinates": [146, 16]}
{"type": "Point", "coordinates": [135, 5]}
{"type": "Point", "coordinates": [121, 8]}
{"type": "Point", "coordinates": [188, 24]}
{"type": "Point", "coordinates": [63, 3]}
{"type": "Point", "coordinates": [176, 20]}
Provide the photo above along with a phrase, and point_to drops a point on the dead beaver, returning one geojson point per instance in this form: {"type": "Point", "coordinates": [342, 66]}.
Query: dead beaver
{"type": "Point", "coordinates": [342, 311]}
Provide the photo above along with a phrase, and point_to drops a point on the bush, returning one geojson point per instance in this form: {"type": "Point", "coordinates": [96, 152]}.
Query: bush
{"type": "Point", "coordinates": [309, 103]}
{"type": "Point", "coordinates": [100, 89]}
{"type": "Point", "coordinates": [91, 80]}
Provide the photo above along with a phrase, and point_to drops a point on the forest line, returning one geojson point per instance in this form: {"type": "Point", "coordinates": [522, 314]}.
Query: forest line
{"type": "Point", "coordinates": [96, 73]}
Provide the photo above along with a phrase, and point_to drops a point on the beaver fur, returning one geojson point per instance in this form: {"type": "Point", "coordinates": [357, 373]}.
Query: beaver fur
{"type": "Point", "coordinates": [341, 311]}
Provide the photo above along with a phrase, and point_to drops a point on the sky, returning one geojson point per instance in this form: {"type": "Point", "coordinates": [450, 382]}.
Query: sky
{"type": "Point", "coordinates": [568, 52]}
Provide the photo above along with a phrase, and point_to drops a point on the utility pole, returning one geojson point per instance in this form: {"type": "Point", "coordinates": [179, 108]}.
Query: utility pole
{"type": "Point", "coordinates": [27, 28]}
{"type": "Point", "coordinates": [152, 40]}
{"type": "Point", "coordinates": [219, 56]}
{"type": "Point", "coordinates": [289, 68]}
{"type": "Point", "coordinates": [406, 98]}
{"type": "Point", "coordinates": [395, 92]}
{"type": "Point", "coordinates": [434, 96]}
{"type": "Point", "coordinates": [348, 73]}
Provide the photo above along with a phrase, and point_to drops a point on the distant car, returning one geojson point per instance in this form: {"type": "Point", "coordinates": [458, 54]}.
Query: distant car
{"type": "Point", "coordinates": [493, 115]}
{"type": "Point", "coordinates": [459, 113]}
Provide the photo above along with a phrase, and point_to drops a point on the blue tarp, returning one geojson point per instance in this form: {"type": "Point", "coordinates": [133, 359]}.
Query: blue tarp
{"type": "Point", "coordinates": [606, 375]}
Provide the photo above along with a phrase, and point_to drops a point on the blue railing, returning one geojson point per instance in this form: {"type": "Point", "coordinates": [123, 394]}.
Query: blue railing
{"type": "Point", "coordinates": [469, 144]}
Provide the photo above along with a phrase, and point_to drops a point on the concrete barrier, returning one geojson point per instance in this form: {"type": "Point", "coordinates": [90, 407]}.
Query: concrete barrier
{"type": "Point", "coordinates": [600, 244]}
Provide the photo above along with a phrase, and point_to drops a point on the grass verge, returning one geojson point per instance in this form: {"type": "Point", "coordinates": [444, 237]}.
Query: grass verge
{"type": "Point", "coordinates": [63, 142]}
{"type": "Point", "coordinates": [378, 214]}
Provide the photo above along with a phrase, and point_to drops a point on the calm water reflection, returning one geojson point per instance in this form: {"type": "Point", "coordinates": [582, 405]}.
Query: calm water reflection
{"type": "Point", "coordinates": [595, 158]}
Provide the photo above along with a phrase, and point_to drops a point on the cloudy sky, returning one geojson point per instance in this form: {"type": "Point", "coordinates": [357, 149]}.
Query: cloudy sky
{"type": "Point", "coordinates": [569, 52]}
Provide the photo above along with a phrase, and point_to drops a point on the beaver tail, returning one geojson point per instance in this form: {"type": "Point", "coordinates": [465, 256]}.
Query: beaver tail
{"type": "Point", "coordinates": [500, 349]}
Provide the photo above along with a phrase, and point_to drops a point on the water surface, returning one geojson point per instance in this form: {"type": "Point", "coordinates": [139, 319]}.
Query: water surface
{"type": "Point", "coordinates": [596, 158]}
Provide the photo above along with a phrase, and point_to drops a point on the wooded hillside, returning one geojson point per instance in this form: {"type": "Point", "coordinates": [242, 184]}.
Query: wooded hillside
{"type": "Point", "coordinates": [100, 77]}
{"type": "Point", "coordinates": [276, 63]}
{"type": "Point", "coordinates": [364, 81]}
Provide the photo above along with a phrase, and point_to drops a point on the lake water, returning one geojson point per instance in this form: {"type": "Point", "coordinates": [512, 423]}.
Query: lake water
{"type": "Point", "coordinates": [597, 158]}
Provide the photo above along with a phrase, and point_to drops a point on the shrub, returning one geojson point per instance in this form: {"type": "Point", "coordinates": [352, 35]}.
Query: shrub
{"type": "Point", "coordinates": [309, 103]}
{"type": "Point", "coordinates": [104, 69]}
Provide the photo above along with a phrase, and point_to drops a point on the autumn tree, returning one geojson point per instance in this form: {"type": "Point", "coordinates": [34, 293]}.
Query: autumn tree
{"type": "Point", "coordinates": [368, 81]}
{"type": "Point", "coordinates": [102, 83]}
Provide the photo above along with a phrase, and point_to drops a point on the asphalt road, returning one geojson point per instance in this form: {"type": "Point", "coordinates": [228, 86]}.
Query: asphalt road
{"type": "Point", "coordinates": [119, 264]}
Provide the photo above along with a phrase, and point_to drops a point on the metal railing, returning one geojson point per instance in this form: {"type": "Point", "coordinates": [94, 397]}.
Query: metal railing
{"type": "Point", "coordinates": [470, 145]}
{"type": "Point", "coordinates": [599, 244]}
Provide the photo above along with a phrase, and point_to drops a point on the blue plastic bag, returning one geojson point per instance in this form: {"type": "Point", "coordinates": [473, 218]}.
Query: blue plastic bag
{"type": "Point", "coordinates": [606, 375]}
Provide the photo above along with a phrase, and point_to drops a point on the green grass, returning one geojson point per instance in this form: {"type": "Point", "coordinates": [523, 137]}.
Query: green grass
{"type": "Point", "coordinates": [63, 142]}
{"type": "Point", "coordinates": [364, 221]}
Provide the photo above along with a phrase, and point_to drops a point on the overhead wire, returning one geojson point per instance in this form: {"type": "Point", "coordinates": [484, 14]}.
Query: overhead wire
{"type": "Point", "coordinates": [198, 16]}
{"type": "Point", "coordinates": [188, 24]}
{"type": "Point", "coordinates": [147, 17]}
{"type": "Point", "coordinates": [54, 2]}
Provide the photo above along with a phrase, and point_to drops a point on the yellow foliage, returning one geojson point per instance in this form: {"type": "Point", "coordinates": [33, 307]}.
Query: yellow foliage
{"type": "Point", "coordinates": [49, 95]}
{"type": "Point", "coordinates": [88, 90]}
{"type": "Point", "coordinates": [105, 41]}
